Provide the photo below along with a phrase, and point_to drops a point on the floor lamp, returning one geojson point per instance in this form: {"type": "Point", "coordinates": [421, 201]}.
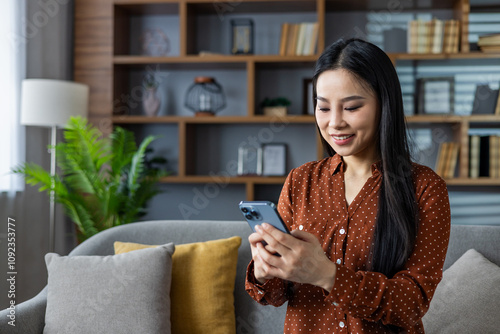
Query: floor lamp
{"type": "Point", "coordinates": [51, 103]}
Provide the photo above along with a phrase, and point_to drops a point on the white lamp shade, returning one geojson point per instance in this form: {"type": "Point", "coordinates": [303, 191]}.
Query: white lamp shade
{"type": "Point", "coordinates": [48, 102]}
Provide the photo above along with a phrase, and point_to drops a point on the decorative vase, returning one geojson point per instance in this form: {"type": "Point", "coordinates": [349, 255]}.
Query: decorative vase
{"type": "Point", "coordinates": [151, 102]}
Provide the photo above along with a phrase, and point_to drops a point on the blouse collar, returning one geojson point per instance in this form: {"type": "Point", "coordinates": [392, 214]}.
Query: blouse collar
{"type": "Point", "coordinates": [337, 164]}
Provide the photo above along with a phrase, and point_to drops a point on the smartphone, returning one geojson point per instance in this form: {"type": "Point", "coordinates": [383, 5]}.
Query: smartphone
{"type": "Point", "coordinates": [258, 212]}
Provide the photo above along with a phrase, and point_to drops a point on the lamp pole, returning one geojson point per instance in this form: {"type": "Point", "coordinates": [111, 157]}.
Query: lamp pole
{"type": "Point", "coordinates": [52, 207]}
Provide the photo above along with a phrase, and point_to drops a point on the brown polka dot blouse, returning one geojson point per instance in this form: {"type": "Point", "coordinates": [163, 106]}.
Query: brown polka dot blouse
{"type": "Point", "coordinates": [361, 301]}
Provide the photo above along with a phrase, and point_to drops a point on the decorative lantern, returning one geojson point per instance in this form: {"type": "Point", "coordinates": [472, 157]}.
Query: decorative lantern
{"type": "Point", "coordinates": [205, 97]}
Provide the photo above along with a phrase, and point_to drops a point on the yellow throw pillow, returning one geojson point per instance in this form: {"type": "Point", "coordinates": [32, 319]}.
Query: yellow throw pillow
{"type": "Point", "coordinates": [202, 287]}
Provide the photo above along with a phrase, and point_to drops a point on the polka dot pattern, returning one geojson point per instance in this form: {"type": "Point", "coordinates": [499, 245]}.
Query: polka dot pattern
{"type": "Point", "coordinates": [361, 301]}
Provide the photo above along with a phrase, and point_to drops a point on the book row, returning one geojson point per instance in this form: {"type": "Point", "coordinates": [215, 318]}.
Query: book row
{"type": "Point", "coordinates": [484, 156]}
{"type": "Point", "coordinates": [435, 36]}
{"type": "Point", "coordinates": [489, 43]}
{"type": "Point", "coordinates": [298, 39]}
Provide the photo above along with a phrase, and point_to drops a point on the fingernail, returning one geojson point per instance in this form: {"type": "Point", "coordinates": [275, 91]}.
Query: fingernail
{"type": "Point", "coordinates": [258, 228]}
{"type": "Point", "coordinates": [265, 226]}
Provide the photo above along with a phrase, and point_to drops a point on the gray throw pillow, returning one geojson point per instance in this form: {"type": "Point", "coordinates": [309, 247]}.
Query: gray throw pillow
{"type": "Point", "coordinates": [467, 299]}
{"type": "Point", "coordinates": [126, 293]}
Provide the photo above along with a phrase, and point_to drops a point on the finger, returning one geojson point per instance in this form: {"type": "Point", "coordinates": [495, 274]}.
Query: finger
{"type": "Point", "coordinates": [272, 245]}
{"type": "Point", "coordinates": [286, 241]}
{"type": "Point", "coordinates": [255, 238]}
{"type": "Point", "coordinates": [268, 257]}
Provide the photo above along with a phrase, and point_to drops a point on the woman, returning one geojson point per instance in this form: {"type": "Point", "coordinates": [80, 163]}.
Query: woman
{"type": "Point", "coordinates": [370, 228]}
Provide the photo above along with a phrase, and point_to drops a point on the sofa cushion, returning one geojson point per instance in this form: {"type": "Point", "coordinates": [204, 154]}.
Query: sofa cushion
{"type": "Point", "coordinates": [127, 293]}
{"type": "Point", "coordinates": [466, 300]}
{"type": "Point", "coordinates": [203, 276]}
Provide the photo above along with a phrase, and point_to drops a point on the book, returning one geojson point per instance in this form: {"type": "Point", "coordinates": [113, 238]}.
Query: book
{"type": "Point", "coordinates": [497, 108]}
{"type": "Point", "coordinates": [484, 156]}
{"type": "Point", "coordinates": [446, 36]}
{"type": "Point", "coordinates": [429, 39]}
{"type": "Point", "coordinates": [498, 157]}
{"type": "Point", "coordinates": [422, 36]}
{"type": "Point", "coordinates": [284, 36]}
{"type": "Point", "coordinates": [474, 156]}
{"type": "Point", "coordinates": [314, 39]}
{"type": "Point", "coordinates": [491, 39]}
{"type": "Point", "coordinates": [455, 36]}
{"type": "Point", "coordinates": [452, 160]}
{"type": "Point", "coordinates": [301, 37]}
{"type": "Point", "coordinates": [485, 100]}
{"type": "Point", "coordinates": [490, 48]}
{"type": "Point", "coordinates": [437, 40]}
{"type": "Point", "coordinates": [412, 37]}
{"type": "Point", "coordinates": [441, 159]}
{"type": "Point", "coordinates": [494, 148]}
{"type": "Point", "coordinates": [291, 41]}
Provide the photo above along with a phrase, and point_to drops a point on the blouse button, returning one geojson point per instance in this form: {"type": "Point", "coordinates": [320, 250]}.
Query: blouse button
{"type": "Point", "coordinates": [342, 231]}
{"type": "Point", "coordinates": [341, 324]}
{"type": "Point", "coordinates": [339, 261]}
{"type": "Point", "coordinates": [301, 227]}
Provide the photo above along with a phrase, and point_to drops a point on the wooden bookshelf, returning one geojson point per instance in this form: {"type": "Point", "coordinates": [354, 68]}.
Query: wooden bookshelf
{"type": "Point", "coordinates": [103, 60]}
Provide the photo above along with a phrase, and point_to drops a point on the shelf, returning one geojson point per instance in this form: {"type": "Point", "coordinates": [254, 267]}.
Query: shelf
{"type": "Point", "coordinates": [442, 56]}
{"type": "Point", "coordinates": [225, 179]}
{"type": "Point", "coordinates": [116, 48]}
{"type": "Point", "coordinates": [211, 120]}
{"type": "Point", "coordinates": [482, 181]}
{"type": "Point", "coordinates": [452, 119]}
{"type": "Point", "coordinates": [386, 7]}
{"type": "Point", "coordinates": [210, 59]}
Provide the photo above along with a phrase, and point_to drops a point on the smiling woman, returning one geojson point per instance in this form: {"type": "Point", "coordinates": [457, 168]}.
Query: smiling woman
{"type": "Point", "coordinates": [347, 115]}
{"type": "Point", "coordinates": [370, 228]}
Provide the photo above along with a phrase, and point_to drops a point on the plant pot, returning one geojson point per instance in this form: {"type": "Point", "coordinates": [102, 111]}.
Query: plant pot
{"type": "Point", "coordinates": [275, 111]}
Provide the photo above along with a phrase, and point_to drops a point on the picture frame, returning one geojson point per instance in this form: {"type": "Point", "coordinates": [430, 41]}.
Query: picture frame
{"type": "Point", "coordinates": [307, 97]}
{"type": "Point", "coordinates": [274, 159]}
{"type": "Point", "coordinates": [435, 95]}
{"type": "Point", "coordinates": [242, 36]}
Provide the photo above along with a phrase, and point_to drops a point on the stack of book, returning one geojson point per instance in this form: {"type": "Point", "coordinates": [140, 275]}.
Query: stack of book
{"type": "Point", "coordinates": [447, 160]}
{"type": "Point", "coordinates": [484, 156]}
{"type": "Point", "coordinates": [489, 43]}
{"type": "Point", "coordinates": [435, 36]}
{"type": "Point", "coordinates": [298, 39]}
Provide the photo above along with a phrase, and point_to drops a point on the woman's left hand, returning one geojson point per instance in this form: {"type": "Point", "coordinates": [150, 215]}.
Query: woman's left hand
{"type": "Point", "coordinates": [301, 259]}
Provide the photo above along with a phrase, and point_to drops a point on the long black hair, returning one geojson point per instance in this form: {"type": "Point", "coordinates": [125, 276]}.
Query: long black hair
{"type": "Point", "coordinates": [396, 224]}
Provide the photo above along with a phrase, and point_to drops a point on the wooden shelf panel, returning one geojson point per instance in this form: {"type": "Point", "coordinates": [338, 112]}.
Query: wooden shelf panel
{"type": "Point", "coordinates": [251, 6]}
{"type": "Point", "coordinates": [442, 56]}
{"type": "Point", "coordinates": [152, 7]}
{"type": "Point", "coordinates": [453, 119]}
{"type": "Point", "coordinates": [482, 181]}
{"type": "Point", "coordinates": [383, 6]}
{"type": "Point", "coordinates": [225, 179]}
{"type": "Point", "coordinates": [210, 59]}
{"type": "Point", "coordinates": [211, 120]}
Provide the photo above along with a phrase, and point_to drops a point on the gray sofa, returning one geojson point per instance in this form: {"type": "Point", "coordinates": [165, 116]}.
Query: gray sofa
{"type": "Point", "coordinates": [250, 316]}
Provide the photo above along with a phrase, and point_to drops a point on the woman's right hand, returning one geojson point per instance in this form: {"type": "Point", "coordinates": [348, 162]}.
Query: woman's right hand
{"type": "Point", "coordinates": [256, 246]}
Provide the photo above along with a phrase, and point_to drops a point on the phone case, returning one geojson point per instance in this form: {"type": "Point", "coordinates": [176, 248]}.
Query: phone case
{"type": "Point", "coordinates": [258, 212]}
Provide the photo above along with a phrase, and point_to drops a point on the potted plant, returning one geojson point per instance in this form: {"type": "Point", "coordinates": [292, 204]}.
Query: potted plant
{"type": "Point", "coordinates": [102, 182]}
{"type": "Point", "coordinates": [275, 107]}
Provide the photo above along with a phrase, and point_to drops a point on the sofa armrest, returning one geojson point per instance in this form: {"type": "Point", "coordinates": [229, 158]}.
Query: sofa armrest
{"type": "Point", "coordinates": [29, 316]}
